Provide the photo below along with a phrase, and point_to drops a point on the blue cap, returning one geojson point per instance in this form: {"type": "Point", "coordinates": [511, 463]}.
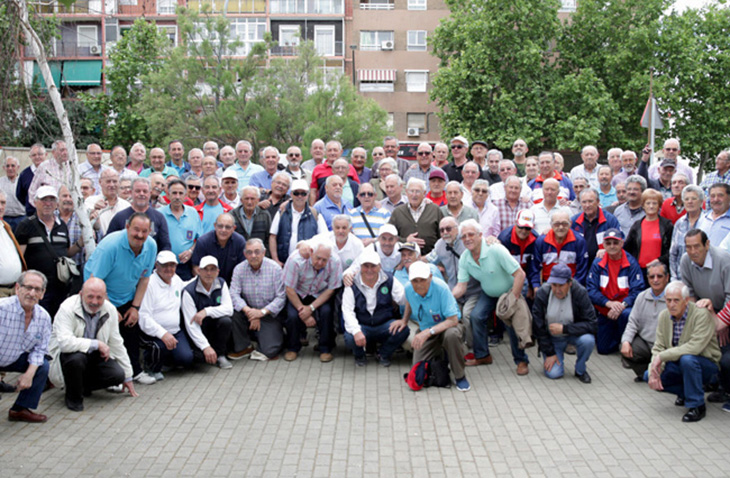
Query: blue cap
{"type": "Point", "coordinates": [560, 274]}
{"type": "Point", "coordinates": [613, 233]}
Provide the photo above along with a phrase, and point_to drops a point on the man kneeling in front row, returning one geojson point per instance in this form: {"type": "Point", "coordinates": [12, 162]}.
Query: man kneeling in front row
{"type": "Point", "coordinates": [563, 314]}
{"type": "Point", "coordinates": [367, 308]}
{"type": "Point", "coordinates": [88, 351]}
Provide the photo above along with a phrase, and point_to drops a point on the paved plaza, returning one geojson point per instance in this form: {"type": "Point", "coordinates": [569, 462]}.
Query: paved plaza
{"type": "Point", "coordinates": [306, 419]}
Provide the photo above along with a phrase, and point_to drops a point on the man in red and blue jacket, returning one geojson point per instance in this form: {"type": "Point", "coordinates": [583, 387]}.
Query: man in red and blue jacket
{"type": "Point", "coordinates": [520, 241]}
{"type": "Point", "coordinates": [614, 283]}
{"type": "Point", "coordinates": [546, 163]}
{"type": "Point", "coordinates": [559, 245]}
{"type": "Point", "coordinates": [593, 222]}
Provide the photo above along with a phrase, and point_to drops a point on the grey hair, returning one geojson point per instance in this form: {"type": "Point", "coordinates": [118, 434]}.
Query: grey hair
{"type": "Point", "coordinates": [470, 224]}
{"type": "Point", "coordinates": [388, 160]}
{"type": "Point", "coordinates": [481, 182]}
{"type": "Point", "coordinates": [23, 275]}
{"type": "Point", "coordinates": [9, 158]}
{"type": "Point", "coordinates": [244, 142]}
{"type": "Point", "coordinates": [210, 142]}
{"type": "Point", "coordinates": [693, 188]}
{"type": "Point", "coordinates": [329, 179]}
{"type": "Point", "coordinates": [630, 152]}
{"type": "Point", "coordinates": [455, 183]}
{"type": "Point", "coordinates": [334, 141]}
{"type": "Point", "coordinates": [589, 147]}
{"type": "Point", "coordinates": [268, 148]}
{"type": "Point", "coordinates": [342, 217]}
{"type": "Point", "coordinates": [600, 168]}
{"type": "Point", "coordinates": [256, 242]}
{"type": "Point", "coordinates": [507, 161]}
{"type": "Point", "coordinates": [680, 176]}
{"type": "Point", "coordinates": [678, 286]}
{"type": "Point", "coordinates": [396, 177]}
{"type": "Point", "coordinates": [513, 178]}
{"type": "Point", "coordinates": [217, 180]}
{"type": "Point", "coordinates": [38, 146]}
{"type": "Point", "coordinates": [194, 150]}
{"type": "Point", "coordinates": [251, 188]}
{"type": "Point", "coordinates": [635, 178]}
{"type": "Point", "coordinates": [614, 150]}
{"type": "Point", "coordinates": [138, 145]}
{"type": "Point", "coordinates": [140, 179]}
{"type": "Point", "coordinates": [280, 174]}
{"type": "Point", "coordinates": [492, 152]}
{"type": "Point", "coordinates": [589, 190]}
{"type": "Point", "coordinates": [56, 144]}
{"type": "Point", "coordinates": [416, 182]}
{"type": "Point", "coordinates": [92, 144]}
{"type": "Point", "coordinates": [561, 214]}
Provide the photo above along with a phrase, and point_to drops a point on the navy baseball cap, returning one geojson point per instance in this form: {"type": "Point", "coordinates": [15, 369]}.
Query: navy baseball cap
{"type": "Point", "coordinates": [560, 274]}
{"type": "Point", "coordinates": [613, 233]}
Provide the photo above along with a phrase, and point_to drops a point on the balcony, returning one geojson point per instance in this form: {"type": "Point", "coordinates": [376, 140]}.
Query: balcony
{"type": "Point", "coordinates": [324, 49]}
{"type": "Point", "coordinates": [307, 7]}
{"type": "Point", "coordinates": [377, 5]}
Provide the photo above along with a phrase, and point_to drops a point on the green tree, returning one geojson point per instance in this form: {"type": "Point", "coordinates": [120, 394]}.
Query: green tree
{"type": "Point", "coordinates": [140, 51]}
{"type": "Point", "coordinates": [269, 102]}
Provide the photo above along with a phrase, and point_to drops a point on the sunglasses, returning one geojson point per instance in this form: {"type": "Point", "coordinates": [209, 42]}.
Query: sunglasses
{"type": "Point", "coordinates": [457, 146]}
{"type": "Point", "coordinates": [480, 190]}
{"type": "Point", "coordinates": [367, 194]}
{"type": "Point", "coordinates": [423, 153]}
{"type": "Point", "coordinates": [197, 188]}
{"type": "Point", "coordinates": [446, 229]}
{"type": "Point", "coordinates": [293, 155]}
{"type": "Point", "coordinates": [299, 193]}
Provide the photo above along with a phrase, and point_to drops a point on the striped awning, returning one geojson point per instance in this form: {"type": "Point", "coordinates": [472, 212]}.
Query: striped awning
{"type": "Point", "coordinates": [384, 76]}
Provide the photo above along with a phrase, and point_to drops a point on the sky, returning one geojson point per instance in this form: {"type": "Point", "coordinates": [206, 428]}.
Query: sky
{"type": "Point", "coordinates": [682, 4]}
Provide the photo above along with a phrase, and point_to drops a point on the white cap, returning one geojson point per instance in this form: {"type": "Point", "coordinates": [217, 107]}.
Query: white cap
{"type": "Point", "coordinates": [461, 140]}
{"type": "Point", "coordinates": [369, 256]}
{"type": "Point", "coordinates": [46, 191]}
{"type": "Point", "coordinates": [419, 270]}
{"type": "Point", "coordinates": [229, 174]}
{"type": "Point", "coordinates": [388, 229]}
{"type": "Point", "coordinates": [300, 185]}
{"type": "Point", "coordinates": [208, 261]}
{"type": "Point", "coordinates": [165, 257]}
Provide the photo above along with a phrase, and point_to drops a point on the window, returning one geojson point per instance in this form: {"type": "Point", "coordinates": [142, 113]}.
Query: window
{"type": "Point", "coordinates": [86, 36]}
{"type": "Point", "coordinates": [170, 31]}
{"type": "Point", "coordinates": [377, 4]}
{"type": "Point", "coordinates": [289, 35]}
{"type": "Point", "coordinates": [417, 40]}
{"type": "Point", "coordinates": [324, 39]}
{"type": "Point", "coordinates": [417, 4]}
{"type": "Point", "coordinates": [372, 40]}
{"type": "Point", "coordinates": [567, 6]}
{"type": "Point", "coordinates": [376, 81]}
{"type": "Point", "coordinates": [166, 7]}
{"type": "Point", "coordinates": [248, 31]}
{"type": "Point", "coordinates": [417, 120]}
{"type": "Point", "coordinates": [416, 81]}
{"type": "Point", "coordinates": [390, 122]}
{"type": "Point", "coordinates": [328, 6]}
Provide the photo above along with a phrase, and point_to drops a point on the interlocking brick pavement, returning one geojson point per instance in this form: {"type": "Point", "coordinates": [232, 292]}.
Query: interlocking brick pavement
{"type": "Point", "coordinates": [304, 418]}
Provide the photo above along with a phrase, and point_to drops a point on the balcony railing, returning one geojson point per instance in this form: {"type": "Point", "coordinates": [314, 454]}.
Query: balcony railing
{"type": "Point", "coordinates": [293, 50]}
{"type": "Point", "coordinates": [302, 7]}
{"type": "Point", "coordinates": [377, 5]}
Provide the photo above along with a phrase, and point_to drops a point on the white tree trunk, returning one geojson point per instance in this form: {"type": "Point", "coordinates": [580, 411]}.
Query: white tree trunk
{"type": "Point", "coordinates": [33, 40]}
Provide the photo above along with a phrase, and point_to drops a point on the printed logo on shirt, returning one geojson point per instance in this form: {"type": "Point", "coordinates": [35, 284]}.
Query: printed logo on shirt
{"type": "Point", "coordinates": [189, 235]}
{"type": "Point", "coordinates": [177, 293]}
{"type": "Point", "coordinates": [384, 289]}
{"type": "Point", "coordinates": [144, 273]}
{"type": "Point", "coordinates": [218, 300]}
{"type": "Point", "coordinates": [436, 317]}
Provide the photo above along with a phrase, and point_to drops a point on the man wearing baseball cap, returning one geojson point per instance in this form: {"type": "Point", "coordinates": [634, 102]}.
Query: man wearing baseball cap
{"type": "Point", "coordinates": [459, 148]}
{"type": "Point", "coordinates": [614, 282]}
{"type": "Point", "coordinates": [432, 306]}
{"type": "Point", "coordinates": [387, 247]}
{"type": "Point", "coordinates": [562, 315]}
{"type": "Point", "coordinates": [229, 183]}
{"type": "Point", "coordinates": [367, 309]}
{"type": "Point", "coordinates": [520, 241]}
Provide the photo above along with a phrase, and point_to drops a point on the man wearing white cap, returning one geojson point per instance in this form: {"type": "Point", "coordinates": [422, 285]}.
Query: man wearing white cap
{"type": "Point", "coordinates": [429, 303]}
{"type": "Point", "coordinates": [44, 238]}
{"type": "Point", "coordinates": [387, 247]}
{"type": "Point", "coordinates": [297, 222]}
{"type": "Point", "coordinates": [459, 147]}
{"type": "Point", "coordinates": [367, 308]}
{"type": "Point", "coordinates": [159, 319]}
{"type": "Point", "coordinates": [207, 309]}
{"type": "Point", "coordinates": [229, 182]}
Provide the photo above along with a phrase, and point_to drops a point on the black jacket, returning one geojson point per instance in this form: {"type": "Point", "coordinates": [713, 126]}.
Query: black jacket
{"type": "Point", "coordinates": [584, 316]}
{"type": "Point", "coordinates": [633, 241]}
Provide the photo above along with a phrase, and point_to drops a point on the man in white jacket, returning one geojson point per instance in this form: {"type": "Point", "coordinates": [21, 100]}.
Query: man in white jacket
{"type": "Point", "coordinates": [88, 351]}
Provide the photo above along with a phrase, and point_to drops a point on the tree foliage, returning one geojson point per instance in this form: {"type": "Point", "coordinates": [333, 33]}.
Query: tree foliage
{"type": "Point", "coordinates": [269, 102]}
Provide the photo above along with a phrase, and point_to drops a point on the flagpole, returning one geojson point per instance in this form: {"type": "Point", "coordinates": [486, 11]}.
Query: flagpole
{"type": "Point", "coordinates": [651, 115]}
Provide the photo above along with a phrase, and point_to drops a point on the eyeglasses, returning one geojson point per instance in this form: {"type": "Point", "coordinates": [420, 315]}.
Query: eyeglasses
{"type": "Point", "coordinates": [561, 224]}
{"type": "Point", "coordinates": [523, 228]}
{"type": "Point", "coordinates": [299, 193]}
{"type": "Point", "coordinates": [292, 155]}
{"type": "Point", "coordinates": [366, 194]}
{"type": "Point", "coordinates": [480, 190]}
{"type": "Point", "coordinates": [30, 288]}
{"type": "Point", "coordinates": [656, 276]}
{"type": "Point", "coordinates": [253, 252]}
{"type": "Point", "coordinates": [194, 187]}
{"type": "Point", "coordinates": [446, 229]}
{"type": "Point", "coordinates": [225, 227]}
{"type": "Point", "coordinates": [423, 153]}
{"type": "Point", "coordinates": [457, 146]}
{"type": "Point", "coordinates": [671, 149]}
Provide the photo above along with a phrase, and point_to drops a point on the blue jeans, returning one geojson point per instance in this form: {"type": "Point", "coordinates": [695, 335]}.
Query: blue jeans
{"type": "Point", "coordinates": [378, 334]}
{"type": "Point", "coordinates": [480, 318]}
{"type": "Point", "coordinates": [584, 346]}
{"type": "Point", "coordinates": [610, 332]}
{"type": "Point", "coordinates": [156, 354]}
{"type": "Point", "coordinates": [687, 376]}
{"type": "Point", "coordinates": [13, 221]}
{"type": "Point", "coordinates": [324, 316]}
{"type": "Point", "coordinates": [29, 397]}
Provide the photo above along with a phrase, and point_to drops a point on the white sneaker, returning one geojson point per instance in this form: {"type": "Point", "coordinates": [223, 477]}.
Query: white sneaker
{"type": "Point", "coordinates": [256, 355]}
{"type": "Point", "coordinates": [224, 363]}
{"type": "Point", "coordinates": [115, 388]}
{"type": "Point", "coordinates": [144, 378]}
{"type": "Point", "coordinates": [158, 376]}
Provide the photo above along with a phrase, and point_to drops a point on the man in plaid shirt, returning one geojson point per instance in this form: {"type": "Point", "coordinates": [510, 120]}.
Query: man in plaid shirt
{"type": "Point", "coordinates": [512, 203]}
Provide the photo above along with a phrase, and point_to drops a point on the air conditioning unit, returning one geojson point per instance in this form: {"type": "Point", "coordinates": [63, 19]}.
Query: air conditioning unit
{"type": "Point", "coordinates": [95, 49]}
{"type": "Point", "coordinates": [386, 45]}
{"type": "Point", "coordinates": [414, 132]}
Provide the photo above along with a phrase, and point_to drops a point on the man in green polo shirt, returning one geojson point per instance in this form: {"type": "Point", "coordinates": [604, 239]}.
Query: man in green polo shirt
{"type": "Point", "coordinates": [497, 272]}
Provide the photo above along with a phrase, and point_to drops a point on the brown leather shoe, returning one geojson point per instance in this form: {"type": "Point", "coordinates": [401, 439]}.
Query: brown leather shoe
{"type": "Point", "coordinates": [324, 358]}
{"type": "Point", "coordinates": [290, 356]}
{"type": "Point", "coordinates": [26, 415]}
{"type": "Point", "coordinates": [481, 361]}
{"type": "Point", "coordinates": [522, 368]}
{"type": "Point", "coordinates": [241, 354]}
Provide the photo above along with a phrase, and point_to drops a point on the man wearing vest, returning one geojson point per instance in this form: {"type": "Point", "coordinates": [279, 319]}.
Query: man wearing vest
{"type": "Point", "coordinates": [207, 309]}
{"type": "Point", "coordinates": [614, 283]}
{"type": "Point", "coordinates": [367, 307]}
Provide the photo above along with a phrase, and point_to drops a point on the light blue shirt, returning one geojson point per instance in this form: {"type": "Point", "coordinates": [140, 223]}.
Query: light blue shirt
{"type": "Point", "coordinates": [184, 231]}
{"type": "Point", "coordinates": [114, 262]}
{"type": "Point", "coordinates": [168, 171]}
{"type": "Point", "coordinates": [328, 209]}
{"type": "Point", "coordinates": [607, 198]}
{"type": "Point", "coordinates": [244, 175]}
{"type": "Point", "coordinates": [401, 275]}
{"type": "Point", "coordinates": [435, 307]}
{"type": "Point", "coordinates": [210, 214]}
{"type": "Point", "coordinates": [262, 179]}
{"type": "Point", "coordinates": [716, 229]}
{"type": "Point", "coordinates": [15, 339]}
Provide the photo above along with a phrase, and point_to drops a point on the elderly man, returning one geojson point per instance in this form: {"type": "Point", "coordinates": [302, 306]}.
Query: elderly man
{"type": "Point", "coordinates": [12, 262]}
{"type": "Point", "coordinates": [628, 160]}
{"type": "Point", "coordinates": [459, 148]}
{"type": "Point", "coordinates": [243, 167]}
{"type": "Point", "coordinates": [141, 204]}
{"type": "Point", "coordinates": [519, 153]}
{"type": "Point", "coordinates": [671, 151]}
{"type": "Point", "coordinates": [294, 167]}
{"type": "Point", "coordinates": [270, 159]}
{"type": "Point", "coordinates": [454, 204]}
{"type": "Point", "coordinates": [685, 355]}
{"type": "Point", "coordinates": [92, 168]}
{"type": "Point", "coordinates": [37, 155]}
{"type": "Point", "coordinates": [488, 212]}
{"type": "Point", "coordinates": [423, 169]}
{"type": "Point", "coordinates": [54, 172]}
{"type": "Point", "coordinates": [440, 155]}
{"type": "Point", "coordinates": [631, 211]}
{"type": "Point", "coordinates": [86, 347]}
{"type": "Point", "coordinates": [547, 167]}
{"type": "Point", "coordinates": [259, 300]}
{"type": "Point", "coordinates": [25, 330]}
{"type": "Point", "coordinates": [716, 222]}
{"type": "Point", "coordinates": [212, 207]}
{"type": "Point", "coordinates": [366, 218]}
{"type": "Point", "coordinates": [436, 185]}
{"type": "Point", "coordinates": [157, 189]}
{"type": "Point", "coordinates": [721, 173]}
{"type": "Point", "coordinates": [663, 183]}
{"type": "Point", "coordinates": [512, 199]}
{"type": "Point", "coordinates": [43, 239]}
{"type": "Point", "coordinates": [507, 169]}
{"type": "Point", "coordinates": [223, 243]}
{"type": "Point", "coordinates": [322, 171]}
{"type": "Point", "coordinates": [310, 287]}
{"type": "Point", "coordinates": [394, 193]}
{"type": "Point", "coordinates": [316, 152]}
{"type": "Point", "coordinates": [272, 201]}
{"type": "Point", "coordinates": [593, 222]}
{"type": "Point", "coordinates": [491, 172]}
{"type": "Point", "coordinates": [559, 245]}
{"type": "Point", "coordinates": [251, 221]}
{"type": "Point", "coordinates": [176, 150]}
{"type": "Point", "coordinates": [159, 319]}
{"type": "Point", "coordinates": [103, 208]}
{"type": "Point", "coordinates": [137, 157]}
{"type": "Point", "coordinates": [211, 149]}
{"type": "Point", "coordinates": [194, 186]}
{"type": "Point", "coordinates": [227, 155]}
{"type": "Point", "coordinates": [387, 247]}
{"type": "Point", "coordinates": [614, 282]}
{"type": "Point", "coordinates": [157, 165]}
{"type": "Point", "coordinates": [498, 273]}
{"type": "Point", "coordinates": [562, 315]}
{"type": "Point", "coordinates": [673, 207]}
{"type": "Point", "coordinates": [640, 333]}
{"type": "Point", "coordinates": [229, 194]}
{"type": "Point", "coordinates": [124, 261]}
{"type": "Point", "coordinates": [430, 304]}
{"type": "Point", "coordinates": [470, 174]}
{"type": "Point", "coordinates": [207, 309]}
{"type": "Point", "coordinates": [479, 154]}
{"type": "Point", "coordinates": [520, 241]}
{"type": "Point", "coordinates": [359, 156]}
{"type": "Point", "coordinates": [545, 209]}
{"type": "Point", "coordinates": [14, 209]}
{"type": "Point", "coordinates": [391, 149]}
{"type": "Point", "coordinates": [86, 186]}
{"type": "Point", "coordinates": [606, 192]}
{"type": "Point", "coordinates": [183, 224]}
{"type": "Point", "coordinates": [367, 309]}
{"type": "Point", "coordinates": [613, 157]}
{"type": "Point", "coordinates": [350, 187]}
{"type": "Point", "coordinates": [332, 203]}
{"type": "Point", "coordinates": [587, 170]}
{"type": "Point", "coordinates": [417, 221]}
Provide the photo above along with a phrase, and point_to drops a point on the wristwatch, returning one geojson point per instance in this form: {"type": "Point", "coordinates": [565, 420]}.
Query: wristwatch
{"type": "Point", "coordinates": [312, 308]}
{"type": "Point", "coordinates": [432, 331]}
{"type": "Point", "coordinates": [626, 306]}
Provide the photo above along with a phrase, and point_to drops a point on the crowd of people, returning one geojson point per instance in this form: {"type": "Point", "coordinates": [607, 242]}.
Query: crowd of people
{"type": "Point", "coordinates": [214, 257]}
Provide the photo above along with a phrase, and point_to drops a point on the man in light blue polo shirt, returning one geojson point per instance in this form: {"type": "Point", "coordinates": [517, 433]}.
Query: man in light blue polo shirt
{"type": "Point", "coordinates": [716, 221]}
{"type": "Point", "coordinates": [332, 203]}
{"type": "Point", "coordinates": [243, 166]}
{"type": "Point", "coordinates": [497, 272]}
{"type": "Point", "coordinates": [431, 305]}
{"type": "Point", "coordinates": [124, 260]}
{"type": "Point", "coordinates": [262, 179]}
{"type": "Point", "coordinates": [183, 225]}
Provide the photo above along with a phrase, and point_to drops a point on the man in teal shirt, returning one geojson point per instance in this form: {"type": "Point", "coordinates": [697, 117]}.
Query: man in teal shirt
{"type": "Point", "coordinates": [497, 272]}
